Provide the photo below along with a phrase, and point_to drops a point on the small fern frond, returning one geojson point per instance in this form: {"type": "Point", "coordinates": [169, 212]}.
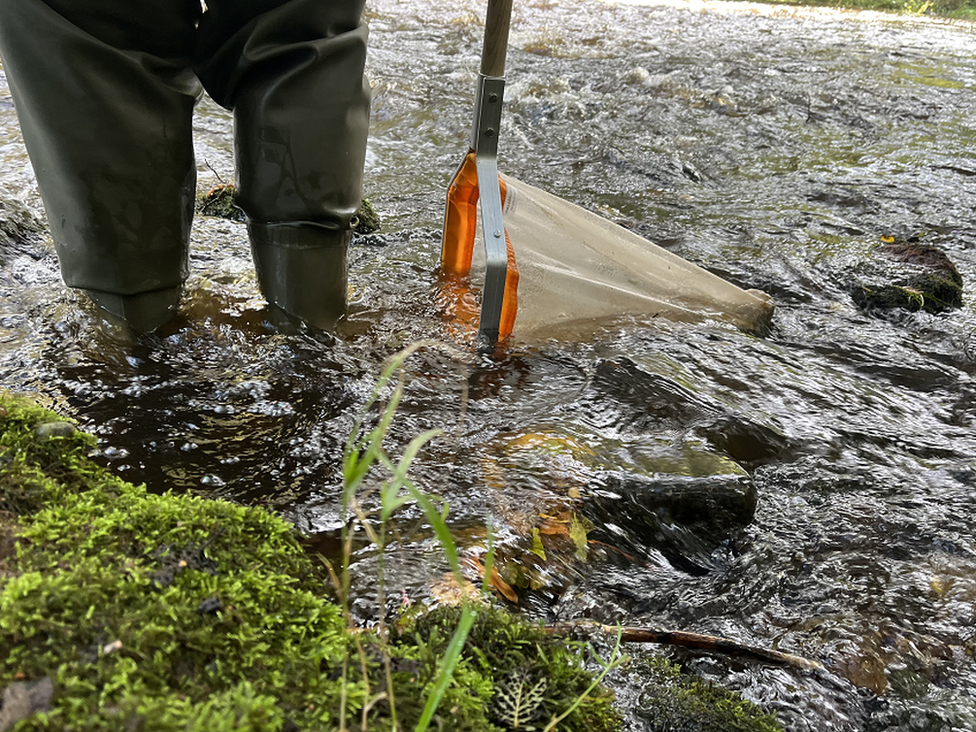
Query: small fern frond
{"type": "Point", "coordinates": [517, 700]}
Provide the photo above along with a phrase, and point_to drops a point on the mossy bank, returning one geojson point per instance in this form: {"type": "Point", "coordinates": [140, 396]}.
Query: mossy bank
{"type": "Point", "coordinates": [162, 612]}
{"type": "Point", "coordinates": [123, 609]}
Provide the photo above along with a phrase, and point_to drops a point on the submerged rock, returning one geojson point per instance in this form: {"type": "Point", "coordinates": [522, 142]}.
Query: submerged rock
{"type": "Point", "coordinates": [907, 275]}
{"type": "Point", "coordinates": [684, 513]}
{"type": "Point", "coordinates": [676, 495]}
{"type": "Point", "coordinates": [707, 493]}
{"type": "Point", "coordinates": [221, 201]}
{"type": "Point", "coordinates": [651, 402]}
{"type": "Point", "coordinates": [20, 232]}
{"type": "Point", "coordinates": [685, 488]}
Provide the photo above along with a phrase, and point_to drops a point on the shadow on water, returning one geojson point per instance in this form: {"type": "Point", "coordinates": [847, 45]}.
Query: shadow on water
{"type": "Point", "coordinates": [810, 489]}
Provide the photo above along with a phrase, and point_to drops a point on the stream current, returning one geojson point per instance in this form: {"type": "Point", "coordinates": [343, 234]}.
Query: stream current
{"type": "Point", "coordinates": [769, 144]}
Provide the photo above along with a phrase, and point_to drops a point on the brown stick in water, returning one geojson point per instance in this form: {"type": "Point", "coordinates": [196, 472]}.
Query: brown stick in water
{"type": "Point", "coordinates": [685, 639]}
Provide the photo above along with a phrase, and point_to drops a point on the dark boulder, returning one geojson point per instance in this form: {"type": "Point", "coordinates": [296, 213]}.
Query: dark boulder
{"type": "Point", "coordinates": [907, 275]}
{"type": "Point", "coordinates": [684, 517]}
{"type": "Point", "coordinates": [20, 232]}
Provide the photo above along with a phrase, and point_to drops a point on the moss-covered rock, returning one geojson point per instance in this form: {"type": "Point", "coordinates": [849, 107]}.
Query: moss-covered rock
{"type": "Point", "coordinates": [174, 612]}
{"type": "Point", "coordinates": [220, 201]}
{"type": "Point", "coordinates": [154, 611]}
{"type": "Point", "coordinates": [367, 218]}
{"type": "Point", "coordinates": [907, 275]}
{"type": "Point", "coordinates": [533, 677]}
{"type": "Point", "coordinates": [674, 702]}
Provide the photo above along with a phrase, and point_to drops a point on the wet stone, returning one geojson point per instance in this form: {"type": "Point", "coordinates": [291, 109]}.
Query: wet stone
{"type": "Point", "coordinates": [48, 430]}
{"type": "Point", "coordinates": [651, 402]}
{"type": "Point", "coordinates": [22, 699]}
{"type": "Point", "coordinates": [683, 514]}
{"type": "Point", "coordinates": [709, 504]}
{"type": "Point", "coordinates": [20, 232]}
{"type": "Point", "coordinates": [907, 275]}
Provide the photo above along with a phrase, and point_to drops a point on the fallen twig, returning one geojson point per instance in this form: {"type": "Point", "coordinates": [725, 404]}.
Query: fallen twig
{"type": "Point", "coordinates": [724, 646]}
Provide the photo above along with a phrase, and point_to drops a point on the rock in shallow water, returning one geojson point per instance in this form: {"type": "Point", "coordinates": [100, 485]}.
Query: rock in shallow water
{"type": "Point", "coordinates": [683, 513]}
{"type": "Point", "coordinates": [907, 275]}
{"type": "Point", "coordinates": [47, 430]}
{"type": "Point", "coordinates": [650, 402]}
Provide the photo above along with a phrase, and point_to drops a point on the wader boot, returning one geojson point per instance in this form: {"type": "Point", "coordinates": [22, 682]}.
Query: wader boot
{"type": "Point", "coordinates": [104, 90]}
{"type": "Point", "coordinates": [294, 77]}
{"type": "Point", "coordinates": [105, 110]}
{"type": "Point", "coordinates": [302, 270]}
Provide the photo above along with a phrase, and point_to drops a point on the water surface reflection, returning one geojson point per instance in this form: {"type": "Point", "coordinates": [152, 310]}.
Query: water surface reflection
{"type": "Point", "coordinates": [773, 148]}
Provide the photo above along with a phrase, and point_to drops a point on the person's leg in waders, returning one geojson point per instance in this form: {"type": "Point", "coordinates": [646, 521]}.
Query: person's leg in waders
{"type": "Point", "coordinates": [293, 72]}
{"type": "Point", "coordinates": [104, 93]}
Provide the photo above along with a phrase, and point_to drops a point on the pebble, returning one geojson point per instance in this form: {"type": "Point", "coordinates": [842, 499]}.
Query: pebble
{"type": "Point", "coordinates": [47, 430]}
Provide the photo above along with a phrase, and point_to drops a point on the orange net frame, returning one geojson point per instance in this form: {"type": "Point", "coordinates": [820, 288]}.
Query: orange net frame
{"type": "Point", "coordinates": [460, 230]}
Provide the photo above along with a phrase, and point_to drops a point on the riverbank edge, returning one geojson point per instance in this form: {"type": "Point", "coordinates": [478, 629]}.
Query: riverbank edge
{"type": "Point", "coordinates": [911, 11]}
{"type": "Point", "coordinates": [961, 10]}
{"type": "Point", "coordinates": [123, 609]}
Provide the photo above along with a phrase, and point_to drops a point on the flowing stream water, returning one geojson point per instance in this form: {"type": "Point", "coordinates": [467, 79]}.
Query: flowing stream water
{"type": "Point", "coordinates": [772, 145]}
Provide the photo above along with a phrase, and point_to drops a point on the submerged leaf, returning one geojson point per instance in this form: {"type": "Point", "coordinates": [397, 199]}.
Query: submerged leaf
{"type": "Point", "coordinates": [578, 528]}
{"type": "Point", "coordinates": [537, 547]}
{"type": "Point", "coordinates": [448, 591]}
{"type": "Point", "coordinates": [495, 580]}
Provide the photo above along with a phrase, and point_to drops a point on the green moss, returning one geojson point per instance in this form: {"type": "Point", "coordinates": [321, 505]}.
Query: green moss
{"type": "Point", "coordinates": [135, 602]}
{"type": "Point", "coordinates": [505, 658]}
{"type": "Point", "coordinates": [368, 220]}
{"type": "Point", "coordinates": [674, 702]}
{"type": "Point", "coordinates": [221, 201]}
{"type": "Point", "coordinates": [39, 470]}
{"type": "Point", "coordinates": [173, 612]}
